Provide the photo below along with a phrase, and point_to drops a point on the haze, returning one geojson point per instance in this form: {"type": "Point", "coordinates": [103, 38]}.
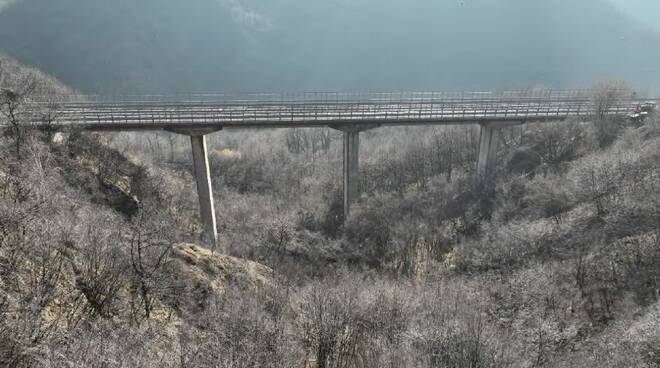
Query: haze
{"type": "Point", "coordinates": [646, 11]}
{"type": "Point", "coordinates": [170, 46]}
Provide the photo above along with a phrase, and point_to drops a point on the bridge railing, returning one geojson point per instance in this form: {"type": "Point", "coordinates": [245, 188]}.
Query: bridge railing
{"type": "Point", "coordinates": [324, 106]}
{"type": "Point", "coordinates": [330, 97]}
{"type": "Point", "coordinates": [332, 112]}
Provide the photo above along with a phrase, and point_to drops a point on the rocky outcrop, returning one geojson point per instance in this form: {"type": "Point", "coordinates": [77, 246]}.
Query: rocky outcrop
{"type": "Point", "coordinates": [203, 275]}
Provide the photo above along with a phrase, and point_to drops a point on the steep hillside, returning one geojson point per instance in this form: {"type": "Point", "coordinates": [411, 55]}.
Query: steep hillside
{"type": "Point", "coordinates": [87, 237]}
{"type": "Point", "coordinates": [21, 79]}
{"type": "Point", "coordinates": [553, 265]}
{"type": "Point", "coordinates": [228, 45]}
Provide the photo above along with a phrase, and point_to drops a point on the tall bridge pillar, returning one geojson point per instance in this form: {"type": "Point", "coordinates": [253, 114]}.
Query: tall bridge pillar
{"type": "Point", "coordinates": [488, 144]}
{"type": "Point", "coordinates": [204, 189]}
{"type": "Point", "coordinates": [203, 179]}
{"type": "Point", "coordinates": [351, 154]}
{"type": "Point", "coordinates": [351, 169]}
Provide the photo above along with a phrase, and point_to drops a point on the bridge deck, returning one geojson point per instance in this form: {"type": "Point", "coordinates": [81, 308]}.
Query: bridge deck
{"type": "Point", "coordinates": [314, 109]}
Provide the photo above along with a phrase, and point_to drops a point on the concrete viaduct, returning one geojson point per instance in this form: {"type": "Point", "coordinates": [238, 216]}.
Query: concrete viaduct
{"type": "Point", "coordinates": [199, 115]}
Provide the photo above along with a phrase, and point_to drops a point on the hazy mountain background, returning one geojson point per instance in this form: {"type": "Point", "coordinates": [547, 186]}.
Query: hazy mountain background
{"type": "Point", "coordinates": [227, 45]}
{"type": "Point", "coordinates": [4, 3]}
{"type": "Point", "coordinates": [647, 11]}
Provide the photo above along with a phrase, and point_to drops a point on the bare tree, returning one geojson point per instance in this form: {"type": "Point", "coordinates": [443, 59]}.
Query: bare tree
{"type": "Point", "coordinates": [150, 243]}
{"type": "Point", "coordinates": [18, 87]}
{"type": "Point", "coordinates": [11, 103]}
{"type": "Point", "coordinates": [607, 96]}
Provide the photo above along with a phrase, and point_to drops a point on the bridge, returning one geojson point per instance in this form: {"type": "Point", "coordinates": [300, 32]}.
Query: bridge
{"type": "Point", "coordinates": [202, 114]}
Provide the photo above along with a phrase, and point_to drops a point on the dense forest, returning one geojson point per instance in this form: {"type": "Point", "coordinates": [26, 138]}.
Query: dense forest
{"type": "Point", "coordinates": [166, 46]}
{"type": "Point", "coordinates": [557, 267]}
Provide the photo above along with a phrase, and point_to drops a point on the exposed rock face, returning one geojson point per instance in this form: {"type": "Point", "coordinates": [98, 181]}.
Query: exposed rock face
{"type": "Point", "coordinates": [204, 275]}
{"type": "Point", "coordinates": [117, 195]}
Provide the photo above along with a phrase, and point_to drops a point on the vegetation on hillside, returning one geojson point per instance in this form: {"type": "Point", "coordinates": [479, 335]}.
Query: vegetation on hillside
{"type": "Point", "coordinates": [556, 268]}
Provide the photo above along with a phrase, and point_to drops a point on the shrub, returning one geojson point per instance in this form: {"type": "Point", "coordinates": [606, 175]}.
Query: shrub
{"type": "Point", "coordinates": [348, 321]}
{"type": "Point", "coordinates": [368, 232]}
{"type": "Point", "coordinates": [238, 331]}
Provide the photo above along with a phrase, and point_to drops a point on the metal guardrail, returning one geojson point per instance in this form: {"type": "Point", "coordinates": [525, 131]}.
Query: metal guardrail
{"type": "Point", "coordinates": [324, 97]}
{"type": "Point", "coordinates": [318, 108]}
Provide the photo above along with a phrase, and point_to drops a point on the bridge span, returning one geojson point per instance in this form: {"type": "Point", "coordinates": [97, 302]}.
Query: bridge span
{"type": "Point", "coordinates": [202, 114]}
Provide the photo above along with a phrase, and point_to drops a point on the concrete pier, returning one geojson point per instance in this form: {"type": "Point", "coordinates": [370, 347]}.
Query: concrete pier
{"type": "Point", "coordinates": [488, 144]}
{"type": "Point", "coordinates": [204, 189]}
{"type": "Point", "coordinates": [351, 169]}
{"type": "Point", "coordinates": [486, 160]}
{"type": "Point", "coordinates": [351, 154]}
{"type": "Point", "coordinates": [203, 179]}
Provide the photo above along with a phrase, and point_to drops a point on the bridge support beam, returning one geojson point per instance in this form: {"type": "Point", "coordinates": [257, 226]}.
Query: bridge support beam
{"type": "Point", "coordinates": [351, 170]}
{"type": "Point", "coordinates": [203, 179]}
